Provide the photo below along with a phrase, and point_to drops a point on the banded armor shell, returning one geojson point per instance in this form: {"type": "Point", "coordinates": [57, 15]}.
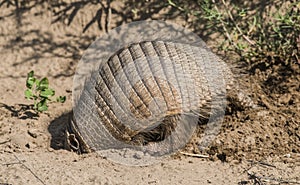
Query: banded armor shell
{"type": "Point", "coordinates": [147, 92]}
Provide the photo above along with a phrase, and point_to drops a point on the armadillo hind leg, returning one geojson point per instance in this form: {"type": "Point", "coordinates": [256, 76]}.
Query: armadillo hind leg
{"type": "Point", "coordinates": [158, 133]}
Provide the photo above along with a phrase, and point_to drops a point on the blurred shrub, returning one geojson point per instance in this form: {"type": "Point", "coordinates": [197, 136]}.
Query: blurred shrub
{"type": "Point", "coordinates": [260, 32]}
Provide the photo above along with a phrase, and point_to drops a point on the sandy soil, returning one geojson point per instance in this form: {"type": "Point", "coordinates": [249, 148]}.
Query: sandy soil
{"type": "Point", "coordinates": [260, 146]}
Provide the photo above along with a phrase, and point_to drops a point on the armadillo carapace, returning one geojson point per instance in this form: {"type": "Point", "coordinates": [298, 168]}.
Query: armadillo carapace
{"type": "Point", "coordinates": [144, 93]}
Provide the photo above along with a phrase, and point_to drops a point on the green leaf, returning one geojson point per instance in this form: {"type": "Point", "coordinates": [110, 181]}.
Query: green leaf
{"type": "Point", "coordinates": [30, 74]}
{"type": "Point", "coordinates": [61, 99]}
{"type": "Point", "coordinates": [43, 84]}
{"type": "Point", "coordinates": [30, 79]}
{"type": "Point", "coordinates": [37, 83]}
{"type": "Point", "coordinates": [47, 93]}
{"type": "Point", "coordinates": [42, 106]}
{"type": "Point", "coordinates": [28, 94]}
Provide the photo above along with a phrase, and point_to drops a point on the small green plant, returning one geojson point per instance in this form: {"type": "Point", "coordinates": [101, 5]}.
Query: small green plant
{"type": "Point", "coordinates": [40, 92]}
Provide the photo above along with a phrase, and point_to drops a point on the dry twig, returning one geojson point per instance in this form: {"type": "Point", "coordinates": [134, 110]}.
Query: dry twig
{"type": "Point", "coordinates": [22, 163]}
{"type": "Point", "coordinates": [108, 16]}
{"type": "Point", "coordinates": [195, 155]}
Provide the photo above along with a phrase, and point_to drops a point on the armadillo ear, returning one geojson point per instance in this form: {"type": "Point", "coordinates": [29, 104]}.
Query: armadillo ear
{"type": "Point", "coordinates": [72, 143]}
{"type": "Point", "coordinates": [73, 139]}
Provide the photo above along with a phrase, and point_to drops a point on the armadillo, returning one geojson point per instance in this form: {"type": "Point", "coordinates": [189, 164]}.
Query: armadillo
{"type": "Point", "coordinates": [148, 92]}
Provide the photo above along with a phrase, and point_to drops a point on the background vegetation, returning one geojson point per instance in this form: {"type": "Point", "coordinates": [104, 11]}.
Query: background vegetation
{"type": "Point", "coordinates": [260, 33]}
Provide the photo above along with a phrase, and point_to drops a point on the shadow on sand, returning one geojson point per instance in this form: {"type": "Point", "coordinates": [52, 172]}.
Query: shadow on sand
{"type": "Point", "coordinates": [57, 130]}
